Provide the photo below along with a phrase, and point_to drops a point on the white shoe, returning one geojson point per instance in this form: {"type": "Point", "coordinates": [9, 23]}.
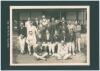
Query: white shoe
{"type": "Point", "coordinates": [43, 58]}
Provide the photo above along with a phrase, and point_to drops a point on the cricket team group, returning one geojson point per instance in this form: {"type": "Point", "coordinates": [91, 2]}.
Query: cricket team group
{"type": "Point", "coordinates": [45, 38]}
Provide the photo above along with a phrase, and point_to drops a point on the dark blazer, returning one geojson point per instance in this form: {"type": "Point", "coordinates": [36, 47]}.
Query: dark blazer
{"type": "Point", "coordinates": [22, 31]}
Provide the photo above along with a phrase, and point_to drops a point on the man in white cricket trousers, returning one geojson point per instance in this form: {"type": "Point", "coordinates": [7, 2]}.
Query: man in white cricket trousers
{"type": "Point", "coordinates": [31, 38]}
{"type": "Point", "coordinates": [51, 48]}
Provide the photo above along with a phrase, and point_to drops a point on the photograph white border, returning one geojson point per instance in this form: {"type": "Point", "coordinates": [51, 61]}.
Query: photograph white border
{"type": "Point", "coordinates": [51, 7]}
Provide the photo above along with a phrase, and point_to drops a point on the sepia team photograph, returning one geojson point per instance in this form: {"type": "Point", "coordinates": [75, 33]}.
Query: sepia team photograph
{"type": "Point", "coordinates": [49, 35]}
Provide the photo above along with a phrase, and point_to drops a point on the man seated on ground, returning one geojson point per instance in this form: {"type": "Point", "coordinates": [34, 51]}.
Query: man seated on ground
{"type": "Point", "coordinates": [40, 53]}
{"type": "Point", "coordinates": [62, 51]}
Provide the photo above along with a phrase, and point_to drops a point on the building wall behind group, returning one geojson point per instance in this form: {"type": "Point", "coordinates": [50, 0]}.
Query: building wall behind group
{"type": "Point", "coordinates": [69, 15]}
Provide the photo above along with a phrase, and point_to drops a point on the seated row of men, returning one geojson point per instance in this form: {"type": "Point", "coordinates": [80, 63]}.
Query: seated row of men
{"type": "Point", "coordinates": [58, 50]}
{"type": "Point", "coordinates": [58, 36]}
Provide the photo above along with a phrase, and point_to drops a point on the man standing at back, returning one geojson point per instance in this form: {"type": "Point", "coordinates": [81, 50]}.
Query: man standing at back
{"type": "Point", "coordinates": [78, 35]}
{"type": "Point", "coordinates": [71, 38]}
{"type": "Point", "coordinates": [27, 24]}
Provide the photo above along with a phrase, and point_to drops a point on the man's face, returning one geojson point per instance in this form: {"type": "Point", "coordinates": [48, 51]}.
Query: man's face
{"type": "Point", "coordinates": [56, 32]}
{"type": "Point", "coordinates": [43, 16]}
{"type": "Point", "coordinates": [28, 19]}
{"type": "Point", "coordinates": [63, 18]}
{"type": "Point", "coordinates": [62, 42]}
{"type": "Point", "coordinates": [52, 18]}
{"type": "Point", "coordinates": [31, 23]}
{"type": "Point", "coordinates": [21, 24]}
{"type": "Point", "coordinates": [30, 32]}
{"type": "Point", "coordinates": [47, 32]}
{"type": "Point", "coordinates": [63, 32]}
{"type": "Point", "coordinates": [22, 36]}
{"type": "Point", "coordinates": [36, 19]}
{"type": "Point", "coordinates": [56, 21]}
{"type": "Point", "coordinates": [75, 22]}
{"type": "Point", "coordinates": [69, 22]}
{"type": "Point", "coordinates": [71, 30]}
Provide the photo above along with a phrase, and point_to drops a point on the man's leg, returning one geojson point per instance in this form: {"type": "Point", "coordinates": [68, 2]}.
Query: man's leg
{"type": "Point", "coordinates": [57, 55]}
{"type": "Point", "coordinates": [67, 55]}
{"type": "Point", "coordinates": [66, 48]}
{"type": "Point", "coordinates": [76, 44]}
{"type": "Point", "coordinates": [73, 48]}
{"type": "Point", "coordinates": [40, 57]}
{"type": "Point", "coordinates": [69, 46]}
{"type": "Point", "coordinates": [44, 55]}
{"type": "Point", "coordinates": [20, 45]}
{"type": "Point", "coordinates": [35, 55]}
{"type": "Point", "coordinates": [29, 49]}
{"type": "Point", "coordinates": [53, 49]}
{"type": "Point", "coordinates": [79, 47]}
{"type": "Point", "coordinates": [23, 45]}
{"type": "Point", "coordinates": [50, 49]}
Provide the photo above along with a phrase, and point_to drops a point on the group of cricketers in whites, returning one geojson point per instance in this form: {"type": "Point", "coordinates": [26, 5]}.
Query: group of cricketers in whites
{"type": "Point", "coordinates": [45, 38]}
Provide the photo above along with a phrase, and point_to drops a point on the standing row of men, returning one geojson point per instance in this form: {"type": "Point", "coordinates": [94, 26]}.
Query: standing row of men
{"type": "Point", "coordinates": [50, 37]}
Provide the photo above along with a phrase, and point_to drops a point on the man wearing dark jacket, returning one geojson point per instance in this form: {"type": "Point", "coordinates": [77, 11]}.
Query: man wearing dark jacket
{"type": "Point", "coordinates": [71, 39]}
{"type": "Point", "coordinates": [22, 37]}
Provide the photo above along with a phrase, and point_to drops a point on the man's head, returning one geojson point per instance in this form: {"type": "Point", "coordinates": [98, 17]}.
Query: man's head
{"type": "Point", "coordinates": [63, 32]}
{"type": "Point", "coordinates": [22, 36]}
{"type": "Point", "coordinates": [47, 31]}
{"type": "Point", "coordinates": [69, 22]}
{"type": "Point", "coordinates": [71, 30]}
{"type": "Point", "coordinates": [29, 18]}
{"type": "Point", "coordinates": [62, 42]}
{"type": "Point", "coordinates": [43, 16]}
{"type": "Point", "coordinates": [48, 20]}
{"type": "Point", "coordinates": [31, 23]}
{"type": "Point", "coordinates": [56, 32]}
{"type": "Point", "coordinates": [21, 24]}
{"type": "Point", "coordinates": [75, 22]}
{"type": "Point", "coordinates": [62, 18]}
{"type": "Point", "coordinates": [36, 18]}
{"type": "Point", "coordinates": [52, 19]}
{"type": "Point", "coordinates": [56, 21]}
{"type": "Point", "coordinates": [30, 32]}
